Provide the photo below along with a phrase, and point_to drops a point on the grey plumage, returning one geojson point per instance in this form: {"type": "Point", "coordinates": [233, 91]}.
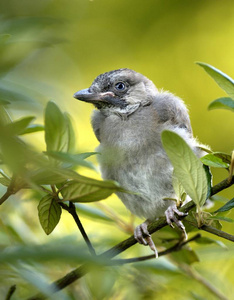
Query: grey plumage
{"type": "Point", "coordinates": [128, 123]}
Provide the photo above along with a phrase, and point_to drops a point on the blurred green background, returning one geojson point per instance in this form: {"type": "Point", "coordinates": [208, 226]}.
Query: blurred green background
{"type": "Point", "coordinates": [49, 50]}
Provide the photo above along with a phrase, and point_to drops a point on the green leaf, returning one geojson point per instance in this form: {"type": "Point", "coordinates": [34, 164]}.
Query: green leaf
{"type": "Point", "coordinates": [47, 176]}
{"type": "Point", "coordinates": [49, 212]}
{"type": "Point", "coordinates": [4, 117]}
{"type": "Point", "coordinates": [185, 256]}
{"type": "Point", "coordinates": [71, 133]}
{"type": "Point", "coordinates": [56, 134]}
{"type": "Point", "coordinates": [213, 160]}
{"type": "Point", "coordinates": [229, 205]}
{"type": "Point", "coordinates": [19, 126]}
{"type": "Point", "coordinates": [73, 159]}
{"type": "Point", "coordinates": [85, 192]}
{"type": "Point", "coordinates": [109, 184]}
{"type": "Point", "coordinates": [209, 178]}
{"type": "Point", "coordinates": [92, 212]}
{"type": "Point", "coordinates": [4, 37]}
{"type": "Point", "coordinates": [86, 154]}
{"type": "Point", "coordinates": [12, 95]}
{"type": "Point", "coordinates": [178, 188]}
{"type": "Point", "coordinates": [225, 102]}
{"type": "Point", "coordinates": [224, 156]}
{"type": "Point", "coordinates": [206, 241]}
{"type": "Point", "coordinates": [215, 223]}
{"type": "Point", "coordinates": [58, 250]}
{"type": "Point", "coordinates": [221, 218]}
{"type": "Point", "coordinates": [224, 81]}
{"type": "Point", "coordinates": [4, 102]}
{"type": "Point", "coordinates": [4, 181]}
{"type": "Point", "coordinates": [33, 128]}
{"type": "Point", "coordinates": [187, 167]}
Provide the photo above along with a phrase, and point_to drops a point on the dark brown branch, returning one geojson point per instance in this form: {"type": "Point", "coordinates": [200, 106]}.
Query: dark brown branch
{"type": "Point", "coordinates": [72, 210]}
{"type": "Point", "coordinates": [10, 292]}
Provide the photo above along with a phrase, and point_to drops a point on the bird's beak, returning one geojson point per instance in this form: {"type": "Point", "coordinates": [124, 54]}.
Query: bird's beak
{"type": "Point", "coordinates": [87, 96]}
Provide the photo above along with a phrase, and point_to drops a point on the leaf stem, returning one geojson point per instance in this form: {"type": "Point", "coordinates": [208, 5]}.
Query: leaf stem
{"type": "Point", "coordinates": [5, 196]}
{"type": "Point", "coordinates": [72, 210]}
{"type": "Point", "coordinates": [10, 292]}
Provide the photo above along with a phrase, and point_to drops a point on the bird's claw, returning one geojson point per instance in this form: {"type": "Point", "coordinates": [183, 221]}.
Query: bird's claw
{"type": "Point", "coordinates": [171, 217]}
{"type": "Point", "coordinates": [141, 234]}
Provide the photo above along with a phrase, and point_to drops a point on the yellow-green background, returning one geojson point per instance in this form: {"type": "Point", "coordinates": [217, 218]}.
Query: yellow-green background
{"type": "Point", "coordinates": [60, 46]}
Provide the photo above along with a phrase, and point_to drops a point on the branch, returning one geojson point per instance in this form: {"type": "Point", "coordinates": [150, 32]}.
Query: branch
{"type": "Point", "coordinates": [72, 210]}
{"type": "Point", "coordinates": [122, 246]}
{"type": "Point", "coordinates": [12, 189]}
{"type": "Point", "coordinates": [222, 185]}
{"type": "Point", "coordinates": [5, 196]}
{"type": "Point", "coordinates": [178, 246]}
{"type": "Point", "coordinates": [10, 292]}
{"type": "Point", "coordinates": [212, 230]}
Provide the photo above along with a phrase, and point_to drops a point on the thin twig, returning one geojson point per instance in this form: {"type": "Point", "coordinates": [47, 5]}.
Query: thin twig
{"type": "Point", "coordinates": [216, 231]}
{"type": "Point", "coordinates": [178, 246]}
{"type": "Point", "coordinates": [10, 292]}
{"type": "Point", "coordinates": [222, 185]}
{"type": "Point", "coordinates": [12, 189]}
{"type": "Point", "coordinates": [5, 196]}
{"type": "Point", "coordinates": [72, 210]}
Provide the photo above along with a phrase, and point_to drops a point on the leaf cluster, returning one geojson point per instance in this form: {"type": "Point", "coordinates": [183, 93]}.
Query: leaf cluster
{"type": "Point", "coordinates": [191, 173]}
{"type": "Point", "coordinates": [53, 172]}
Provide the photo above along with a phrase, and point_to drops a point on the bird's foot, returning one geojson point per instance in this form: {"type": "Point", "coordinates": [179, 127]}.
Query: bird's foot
{"type": "Point", "coordinates": [141, 234]}
{"type": "Point", "coordinates": [171, 217]}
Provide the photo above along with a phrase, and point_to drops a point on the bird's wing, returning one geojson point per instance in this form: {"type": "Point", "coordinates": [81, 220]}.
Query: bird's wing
{"type": "Point", "coordinates": [172, 110]}
{"type": "Point", "coordinates": [97, 120]}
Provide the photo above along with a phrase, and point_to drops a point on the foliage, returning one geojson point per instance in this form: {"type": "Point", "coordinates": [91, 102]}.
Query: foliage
{"type": "Point", "coordinates": [52, 175]}
{"type": "Point", "coordinates": [37, 171]}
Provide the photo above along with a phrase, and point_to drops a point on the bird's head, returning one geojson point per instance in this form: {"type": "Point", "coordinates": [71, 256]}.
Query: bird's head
{"type": "Point", "coordinates": [119, 89]}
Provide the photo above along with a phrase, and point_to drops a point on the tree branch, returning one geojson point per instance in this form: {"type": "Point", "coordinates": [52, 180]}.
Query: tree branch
{"type": "Point", "coordinates": [226, 183]}
{"type": "Point", "coordinates": [10, 292]}
{"type": "Point", "coordinates": [5, 196]}
{"type": "Point", "coordinates": [178, 246]}
{"type": "Point", "coordinates": [72, 210]}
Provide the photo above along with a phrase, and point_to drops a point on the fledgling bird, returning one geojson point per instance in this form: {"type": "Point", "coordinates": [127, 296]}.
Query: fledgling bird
{"type": "Point", "coordinates": [130, 117]}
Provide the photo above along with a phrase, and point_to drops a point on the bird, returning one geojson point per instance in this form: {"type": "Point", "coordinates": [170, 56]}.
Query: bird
{"type": "Point", "coordinates": [130, 113]}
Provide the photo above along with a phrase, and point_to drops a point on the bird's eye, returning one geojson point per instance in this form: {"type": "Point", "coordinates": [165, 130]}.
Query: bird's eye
{"type": "Point", "coordinates": [120, 86]}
